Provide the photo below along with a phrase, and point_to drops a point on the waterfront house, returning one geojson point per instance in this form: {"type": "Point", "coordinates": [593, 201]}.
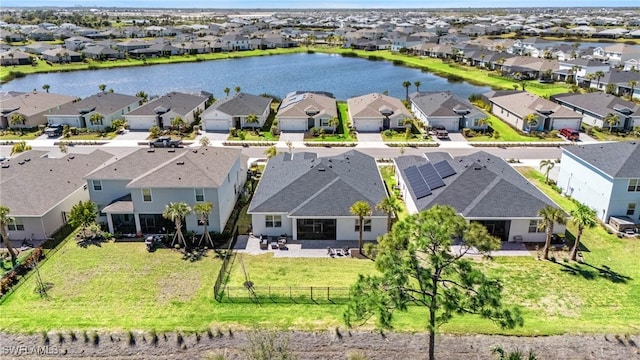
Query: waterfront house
{"type": "Point", "coordinates": [78, 114]}
{"type": "Point", "coordinates": [595, 107]}
{"type": "Point", "coordinates": [234, 110]}
{"type": "Point", "coordinates": [301, 111]}
{"type": "Point", "coordinates": [445, 109]}
{"type": "Point", "coordinates": [374, 112]}
{"type": "Point", "coordinates": [32, 105]}
{"type": "Point", "coordinates": [161, 111]}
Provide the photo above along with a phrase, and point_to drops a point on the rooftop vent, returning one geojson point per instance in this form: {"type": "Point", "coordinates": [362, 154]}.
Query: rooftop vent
{"type": "Point", "coordinates": [5, 165]}
{"type": "Point", "coordinates": [71, 157]}
{"type": "Point", "coordinates": [21, 163]}
{"type": "Point", "coordinates": [180, 163]}
{"type": "Point", "coordinates": [321, 169]}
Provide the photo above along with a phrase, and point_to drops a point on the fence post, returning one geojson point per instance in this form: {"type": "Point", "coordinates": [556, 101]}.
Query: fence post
{"type": "Point", "coordinates": [312, 293]}
{"type": "Point", "coordinates": [290, 295]}
{"type": "Point", "coordinates": [328, 297]}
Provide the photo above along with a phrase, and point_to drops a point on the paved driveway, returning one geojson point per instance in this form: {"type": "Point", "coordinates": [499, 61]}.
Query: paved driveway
{"type": "Point", "coordinates": [292, 136]}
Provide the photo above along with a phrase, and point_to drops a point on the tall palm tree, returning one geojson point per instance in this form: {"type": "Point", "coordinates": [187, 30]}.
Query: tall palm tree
{"type": "Point", "coordinates": [406, 85]}
{"type": "Point", "coordinates": [5, 219]}
{"type": "Point", "coordinates": [417, 84]}
{"type": "Point", "coordinates": [391, 206]}
{"type": "Point", "coordinates": [46, 87]}
{"type": "Point", "coordinates": [253, 119]}
{"type": "Point", "coordinates": [612, 120]}
{"type": "Point", "coordinates": [547, 165]}
{"type": "Point", "coordinates": [226, 91]}
{"type": "Point", "coordinates": [271, 152]}
{"type": "Point", "coordinates": [583, 217]}
{"type": "Point", "coordinates": [102, 87]}
{"type": "Point", "coordinates": [176, 212]}
{"type": "Point", "coordinates": [360, 209]}
{"type": "Point", "coordinates": [334, 122]}
{"type": "Point", "coordinates": [17, 119]}
{"type": "Point", "coordinates": [599, 74]}
{"type": "Point", "coordinates": [203, 210]}
{"type": "Point", "coordinates": [531, 120]}
{"type": "Point", "coordinates": [237, 89]}
{"type": "Point", "coordinates": [96, 118]}
{"type": "Point", "coordinates": [550, 215]}
{"type": "Point", "coordinates": [632, 84]}
{"type": "Point", "coordinates": [482, 123]}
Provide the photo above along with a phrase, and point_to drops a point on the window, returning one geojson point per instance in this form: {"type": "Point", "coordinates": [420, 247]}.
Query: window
{"type": "Point", "coordinates": [273, 221]}
{"type": "Point", "coordinates": [366, 223]}
{"type": "Point", "coordinates": [324, 122]}
{"type": "Point", "coordinates": [97, 185]}
{"type": "Point", "coordinates": [631, 208]}
{"type": "Point", "coordinates": [634, 185]}
{"type": "Point", "coordinates": [199, 195]}
{"type": "Point", "coordinates": [146, 195]}
{"type": "Point", "coordinates": [15, 225]}
{"type": "Point", "coordinates": [534, 226]}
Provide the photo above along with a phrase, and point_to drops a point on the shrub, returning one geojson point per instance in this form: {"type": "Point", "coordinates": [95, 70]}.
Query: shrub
{"type": "Point", "coordinates": [387, 133]}
{"type": "Point", "coordinates": [233, 132]}
{"type": "Point", "coordinates": [314, 131]}
{"type": "Point", "coordinates": [154, 131]}
{"type": "Point", "coordinates": [74, 130]}
{"type": "Point", "coordinates": [242, 134]}
{"type": "Point", "coordinates": [466, 132]}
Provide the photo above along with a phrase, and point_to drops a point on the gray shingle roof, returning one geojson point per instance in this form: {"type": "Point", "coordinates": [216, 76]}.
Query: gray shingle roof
{"type": "Point", "coordinates": [105, 103]}
{"type": "Point", "coordinates": [296, 104]}
{"type": "Point", "coordinates": [304, 185]}
{"type": "Point", "coordinates": [241, 104]}
{"type": "Point", "coordinates": [368, 106]}
{"type": "Point", "coordinates": [484, 186]}
{"type": "Point", "coordinates": [597, 103]}
{"type": "Point", "coordinates": [179, 103]}
{"type": "Point", "coordinates": [441, 104]}
{"type": "Point", "coordinates": [616, 159]}
{"type": "Point", "coordinates": [36, 186]}
{"type": "Point", "coordinates": [34, 102]}
{"type": "Point", "coordinates": [524, 103]}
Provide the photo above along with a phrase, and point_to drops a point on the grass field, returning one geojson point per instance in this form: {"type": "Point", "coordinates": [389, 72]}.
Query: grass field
{"type": "Point", "coordinates": [16, 135]}
{"type": "Point", "coordinates": [507, 133]}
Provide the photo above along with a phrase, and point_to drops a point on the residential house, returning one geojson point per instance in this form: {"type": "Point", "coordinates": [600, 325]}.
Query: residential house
{"type": "Point", "coordinates": [405, 42]}
{"type": "Point", "coordinates": [301, 111]}
{"type": "Point", "coordinates": [132, 44]}
{"type": "Point", "coordinates": [617, 54]}
{"type": "Point", "coordinates": [133, 192]}
{"type": "Point", "coordinates": [632, 64]}
{"type": "Point", "coordinates": [595, 107]}
{"type": "Point", "coordinates": [38, 48]}
{"type": "Point", "coordinates": [514, 108]}
{"type": "Point", "coordinates": [60, 55]}
{"type": "Point", "coordinates": [40, 190]}
{"type": "Point", "coordinates": [110, 105]}
{"type": "Point", "coordinates": [605, 177]}
{"type": "Point", "coordinates": [234, 110]}
{"type": "Point", "coordinates": [445, 109]}
{"type": "Point", "coordinates": [481, 187]}
{"type": "Point", "coordinates": [235, 42]}
{"type": "Point", "coordinates": [619, 82]}
{"type": "Point", "coordinates": [528, 67]}
{"type": "Point", "coordinates": [375, 112]}
{"type": "Point", "coordinates": [309, 198]}
{"type": "Point", "coordinates": [32, 105]}
{"type": "Point", "coordinates": [579, 69]}
{"type": "Point", "coordinates": [99, 52]}
{"type": "Point", "coordinates": [76, 43]}
{"type": "Point", "coordinates": [163, 110]}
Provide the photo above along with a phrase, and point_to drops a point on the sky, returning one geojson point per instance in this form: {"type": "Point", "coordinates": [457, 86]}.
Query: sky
{"type": "Point", "coordinates": [330, 4]}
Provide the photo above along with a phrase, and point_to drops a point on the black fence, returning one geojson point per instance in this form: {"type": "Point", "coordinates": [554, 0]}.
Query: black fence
{"type": "Point", "coordinates": [286, 294]}
{"type": "Point", "coordinates": [228, 256]}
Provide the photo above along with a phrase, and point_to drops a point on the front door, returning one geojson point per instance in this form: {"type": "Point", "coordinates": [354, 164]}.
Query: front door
{"type": "Point", "coordinates": [385, 123]}
{"type": "Point", "coordinates": [236, 122]}
{"type": "Point", "coordinates": [311, 122]}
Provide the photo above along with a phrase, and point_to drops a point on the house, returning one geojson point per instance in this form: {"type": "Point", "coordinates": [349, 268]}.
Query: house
{"type": "Point", "coordinates": [13, 57]}
{"type": "Point", "coordinates": [445, 109]}
{"type": "Point", "coordinates": [60, 55]}
{"type": "Point", "coordinates": [40, 191]}
{"type": "Point", "coordinates": [528, 67]}
{"type": "Point", "coordinates": [161, 111]}
{"type": "Point", "coordinates": [375, 112]}
{"type": "Point", "coordinates": [76, 43]}
{"type": "Point", "coordinates": [605, 177]}
{"type": "Point", "coordinates": [595, 107]}
{"type": "Point", "coordinates": [578, 69]}
{"type": "Point", "coordinates": [235, 42]}
{"type": "Point", "coordinates": [110, 105]}
{"type": "Point", "coordinates": [33, 105]}
{"type": "Point", "coordinates": [513, 108]}
{"type": "Point", "coordinates": [99, 52]}
{"type": "Point", "coordinates": [481, 187]}
{"type": "Point", "coordinates": [404, 42]}
{"type": "Point", "coordinates": [618, 82]}
{"type": "Point", "coordinates": [133, 191]}
{"type": "Point", "coordinates": [616, 54]}
{"type": "Point", "coordinates": [233, 111]}
{"type": "Point", "coordinates": [310, 197]}
{"type": "Point", "coordinates": [301, 111]}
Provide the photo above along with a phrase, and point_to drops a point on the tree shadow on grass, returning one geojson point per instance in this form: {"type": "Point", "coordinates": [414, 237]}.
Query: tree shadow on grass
{"type": "Point", "coordinates": [85, 242]}
{"type": "Point", "coordinates": [193, 255]}
{"type": "Point", "coordinates": [570, 239]}
{"type": "Point", "coordinates": [591, 272]}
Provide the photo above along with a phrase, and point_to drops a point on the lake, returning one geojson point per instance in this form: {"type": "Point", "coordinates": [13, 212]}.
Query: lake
{"type": "Point", "coordinates": [345, 77]}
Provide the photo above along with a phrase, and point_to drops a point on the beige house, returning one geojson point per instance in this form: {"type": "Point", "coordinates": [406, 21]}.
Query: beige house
{"type": "Point", "coordinates": [513, 108]}
{"type": "Point", "coordinates": [375, 112]}
{"type": "Point", "coordinates": [301, 111]}
{"type": "Point", "coordinates": [32, 105]}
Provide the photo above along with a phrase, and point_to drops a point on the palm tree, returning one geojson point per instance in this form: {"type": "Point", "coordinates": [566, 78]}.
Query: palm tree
{"type": "Point", "coordinates": [391, 206]}
{"type": "Point", "coordinates": [531, 120]}
{"type": "Point", "coordinates": [5, 219]}
{"type": "Point", "coordinates": [176, 211]}
{"type": "Point", "coordinates": [482, 123]}
{"type": "Point", "coordinates": [271, 152]}
{"type": "Point", "coordinates": [46, 87]}
{"type": "Point", "coordinates": [547, 165]}
{"type": "Point", "coordinates": [143, 95]}
{"type": "Point", "coordinates": [178, 122]}
{"type": "Point", "coordinates": [226, 91]}
{"type": "Point", "coordinates": [360, 209]}
{"type": "Point", "coordinates": [253, 119]}
{"type": "Point", "coordinates": [17, 119]}
{"type": "Point", "coordinates": [334, 122]}
{"type": "Point", "coordinates": [237, 89]}
{"type": "Point", "coordinates": [417, 84]}
{"type": "Point", "coordinates": [583, 217]}
{"type": "Point", "coordinates": [599, 74]}
{"type": "Point", "coordinates": [406, 85]}
{"type": "Point", "coordinates": [102, 87]}
{"type": "Point", "coordinates": [632, 83]}
{"type": "Point", "coordinates": [203, 210]}
{"type": "Point", "coordinates": [550, 215]}
{"type": "Point", "coordinates": [612, 120]}
{"type": "Point", "coordinates": [96, 118]}
{"type": "Point", "coordinates": [20, 147]}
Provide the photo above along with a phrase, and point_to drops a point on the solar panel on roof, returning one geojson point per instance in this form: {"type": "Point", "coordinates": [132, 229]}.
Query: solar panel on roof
{"type": "Point", "coordinates": [417, 182]}
{"type": "Point", "coordinates": [444, 169]}
{"type": "Point", "coordinates": [431, 176]}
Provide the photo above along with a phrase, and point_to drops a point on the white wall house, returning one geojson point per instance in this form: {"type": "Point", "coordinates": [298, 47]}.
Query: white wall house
{"type": "Point", "coordinates": [163, 110]}
{"type": "Point", "coordinates": [110, 105]}
{"type": "Point", "coordinates": [594, 107]}
{"type": "Point", "coordinates": [233, 111]}
{"type": "Point", "coordinates": [446, 109]}
{"type": "Point", "coordinates": [306, 110]}
{"type": "Point", "coordinates": [513, 108]}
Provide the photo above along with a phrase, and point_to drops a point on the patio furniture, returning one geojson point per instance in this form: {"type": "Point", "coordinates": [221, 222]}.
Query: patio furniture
{"type": "Point", "coordinates": [264, 245]}
{"type": "Point", "coordinates": [274, 245]}
{"type": "Point", "coordinates": [282, 244]}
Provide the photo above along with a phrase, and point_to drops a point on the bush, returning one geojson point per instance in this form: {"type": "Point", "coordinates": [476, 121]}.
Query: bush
{"type": "Point", "coordinates": [387, 133]}
{"type": "Point", "coordinates": [233, 132]}
{"type": "Point", "coordinates": [466, 132]}
{"type": "Point", "coordinates": [154, 131]}
{"type": "Point", "coordinates": [73, 130]}
{"type": "Point", "coordinates": [314, 131]}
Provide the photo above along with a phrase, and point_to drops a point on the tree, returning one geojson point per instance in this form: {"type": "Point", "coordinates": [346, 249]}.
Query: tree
{"type": "Point", "coordinates": [83, 214]}
{"type": "Point", "coordinates": [237, 89]}
{"type": "Point", "coordinates": [612, 120]}
{"type": "Point", "coordinates": [46, 87]}
{"type": "Point", "coordinates": [531, 120]}
{"type": "Point", "coordinates": [143, 95]}
{"type": "Point", "coordinates": [253, 120]}
{"type": "Point", "coordinates": [20, 147]}
{"type": "Point", "coordinates": [96, 118]}
{"type": "Point", "coordinates": [17, 119]}
{"type": "Point", "coordinates": [391, 206]}
{"type": "Point", "coordinates": [271, 152]}
{"type": "Point", "coordinates": [583, 217]}
{"type": "Point", "coordinates": [418, 267]}
{"type": "Point", "coordinates": [178, 122]}
{"type": "Point", "coordinates": [119, 124]}
{"type": "Point", "coordinates": [203, 210]}
{"type": "Point", "coordinates": [334, 122]}
{"type": "Point", "coordinates": [406, 85]}
{"type": "Point", "coordinates": [632, 84]}
{"type": "Point", "coordinates": [550, 215]}
{"type": "Point", "coordinates": [5, 219]}
{"type": "Point", "coordinates": [360, 209]}
{"type": "Point", "coordinates": [547, 165]}
{"type": "Point", "coordinates": [483, 123]}
{"type": "Point", "coordinates": [176, 212]}
{"type": "Point", "coordinates": [417, 84]}
{"type": "Point", "coordinates": [599, 74]}
{"type": "Point", "coordinates": [226, 91]}
{"type": "Point", "coordinates": [102, 87]}
{"type": "Point", "coordinates": [204, 141]}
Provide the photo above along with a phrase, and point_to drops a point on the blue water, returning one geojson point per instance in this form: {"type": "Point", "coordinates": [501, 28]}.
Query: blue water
{"type": "Point", "coordinates": [345, 77]}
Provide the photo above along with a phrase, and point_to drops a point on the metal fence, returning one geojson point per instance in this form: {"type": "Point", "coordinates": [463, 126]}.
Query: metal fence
{"type": "Point", "coordinates": [287, 294]}
{"type": "Point", "coordinates": [228, 256]}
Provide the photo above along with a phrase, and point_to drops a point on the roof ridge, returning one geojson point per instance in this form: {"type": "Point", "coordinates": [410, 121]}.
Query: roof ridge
{"type": "Point", "coordinates": [482, 194]}
{"type": "Point", "coordinates": [156, 167]}
{"type": "Point", "coordinates": [317, 193]}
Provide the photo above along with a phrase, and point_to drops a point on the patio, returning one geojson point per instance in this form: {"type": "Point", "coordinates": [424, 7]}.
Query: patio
{"type": "Point", "coordinates": [295, 248]}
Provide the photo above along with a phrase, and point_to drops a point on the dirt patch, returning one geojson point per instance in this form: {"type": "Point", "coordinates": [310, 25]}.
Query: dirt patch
{"type": "Point", "coordinates": [326, 345]}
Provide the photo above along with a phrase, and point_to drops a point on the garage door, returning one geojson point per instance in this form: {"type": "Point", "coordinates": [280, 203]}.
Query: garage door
{"type": "Point", "coordinates": [293, 124]}
{"type": "Point", "coordinates": [141, 123]}
{"type": "Point", "coordinates": [566, 123]}
{"type": "Point", "coordinates": [448, 124]}
{"type": "Point", "coordinates": [370, 125]}
{"type": "Point", "coordinates": [217, 125]}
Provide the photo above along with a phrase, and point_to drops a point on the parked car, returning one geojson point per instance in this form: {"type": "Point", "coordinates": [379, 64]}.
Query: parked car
{"type": "Point", "coordinates": [54, 130]}
{"type": "Point", "coordinates": [165, 141]}
{"type": "Point", "coordinates": [570, 134]}
{"type": "Point", "coordinates": [440, 132]}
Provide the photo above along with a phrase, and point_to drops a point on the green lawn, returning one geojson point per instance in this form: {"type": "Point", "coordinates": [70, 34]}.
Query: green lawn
{"type": "Point", "coordinates": [16, 135]}
{"type": "Point", "coordinates": [388, 175]}
{"type": "Point", "coordinates": [400, 136]}
{"type": "Point", "coordinates": [613, 136]}
{"type": "Point", "coordinates": [92, 136]}
{"type": "Point", "coordinates": [507, 133]}
{"type": "Point", "coordinates": [251, 136]}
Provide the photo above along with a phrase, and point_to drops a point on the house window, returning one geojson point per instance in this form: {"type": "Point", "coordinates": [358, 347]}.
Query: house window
{"type": "Point", "coordinates": [15, 225]}
{"type": "Point", "coordinates": [366, 223]}
{"type": "Point", "coordinates": [273, 221]}
{"type": "Point", "coordinates": [534, 226]}
{"type": "Point", "coordinates": [631, 208]}
{"type": "Point", "coordinates": [324, 122]}
{"type": "Point", "coordinates": [97, 185]}
{"type": "Point", "coordinates": [634, 185]}
{"type": "Point", "coordinates": [146, 195]}
{"type": "Point", "coordinates": [199, 195]}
